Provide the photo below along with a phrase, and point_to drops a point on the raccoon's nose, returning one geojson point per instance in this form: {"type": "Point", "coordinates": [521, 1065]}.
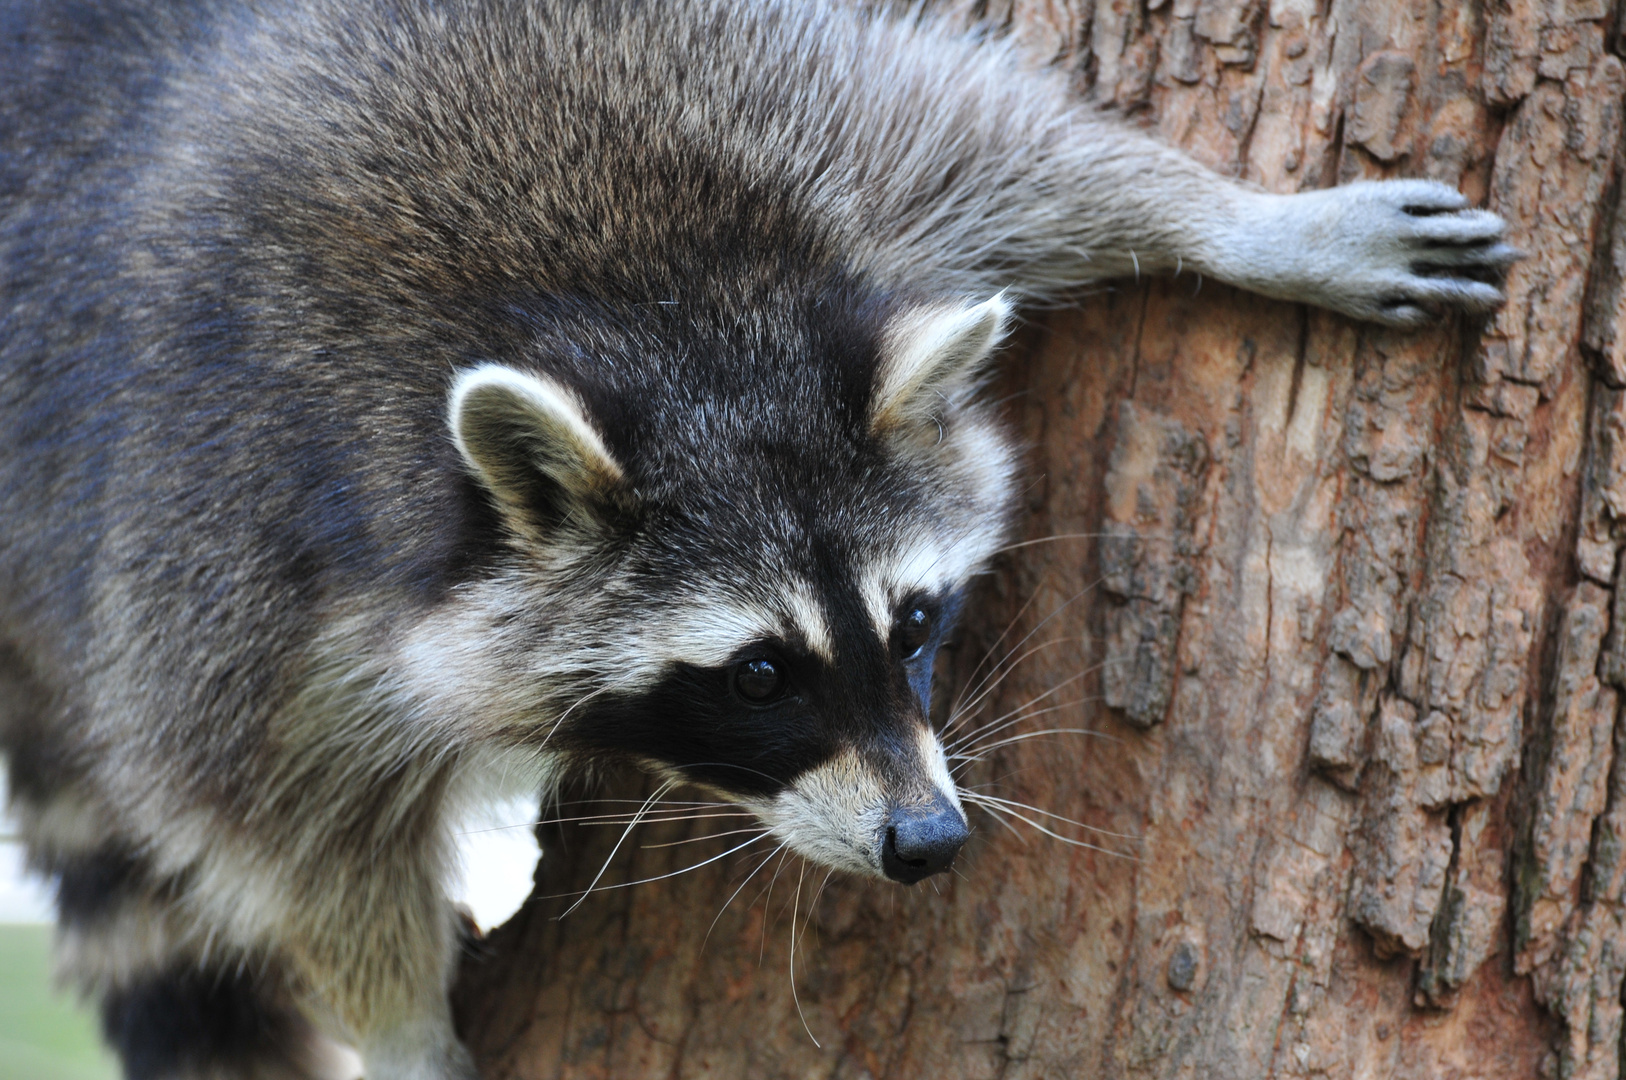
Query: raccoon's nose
{"type": "Point", "coordinates": [922, 840]}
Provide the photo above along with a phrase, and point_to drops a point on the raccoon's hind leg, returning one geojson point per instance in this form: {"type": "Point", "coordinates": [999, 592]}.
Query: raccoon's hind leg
{"type": "Point", "coordinates": [365, 948]}
{"type": "Point", "coordinates": [170, 1009]}
{"type": "Point", "coordinates": [221, 1024]}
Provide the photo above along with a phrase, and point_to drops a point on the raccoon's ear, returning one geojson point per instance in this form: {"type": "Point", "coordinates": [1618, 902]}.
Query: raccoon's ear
{"type": "Point", "coordinates": [529, 440]}
{"type": "Point", "coordinates": [930, 355]}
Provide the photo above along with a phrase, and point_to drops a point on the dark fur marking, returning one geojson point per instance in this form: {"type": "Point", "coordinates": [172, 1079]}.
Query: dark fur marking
{"type": "Point", "coordinates": [186, 1022]}
{"type": "Point", "coordinates": [91, 887]}
{"type": "Point", "coordinates": [867, 698]}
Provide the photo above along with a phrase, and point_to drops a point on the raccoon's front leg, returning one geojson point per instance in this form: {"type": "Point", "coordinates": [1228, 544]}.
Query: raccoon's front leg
{"type": "Point", "coordinates": [353, 904]}
{"type": "Point", "coordinates": [1031, 192]}
{"type": "Point", "coordinates": [381, 956]}
{"type": "Point", "coordinates": [1389, 252]}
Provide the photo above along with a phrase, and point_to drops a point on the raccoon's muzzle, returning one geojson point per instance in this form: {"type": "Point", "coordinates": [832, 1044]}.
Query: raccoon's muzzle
{"type": "Point", "coordinates": [922, 840]}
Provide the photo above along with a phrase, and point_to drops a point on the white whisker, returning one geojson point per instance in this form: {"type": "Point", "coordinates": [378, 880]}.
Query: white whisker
{"type": "Point", "coordinates": [976, 750]}
{"type": "Point", "coordinates": [793, 994]}
{"type": "Point", "coordinates": [1057, 817]}
{"type": "Point", "coordinates": [697, 839]}
{"type": "Point", "coordinates": [663, 877]}
{"type": "Point", "coordinates": [954, 709]}
{"type": "Point", "coordinates": [980, 753]}
{"type": "Point", "coordinates": [767, 906]}
{"type": "Point", "coordinates": [971, 707]}
{"type": "Point", "coordinates": [662, 790]}
{"type": "Point", "coordinates": [640, 802]}
{"type": "Point", "coordinates": [737, 891]}
{"type": "Point", "coordinates": [994, 808]}
{"type": "Point", "coordinates": [578, 703]}
{"type": "Point", "coordinates": [1007, 826]}
{"type": "Point", "coordinates": [1063, 606]}
{"type": "Point", "coordinates": [1047, 731]}
{"type": "Point", "coordinates": [1169, 538]}
{"type": "Point", "coordinates": [815, 903]}
{"type": "Point", "coordinates": [656, 815]}
{"type": "Point", "coordinates": [978, 689]}
{"type": "Point", "coordinates": [653, 817]}
{"type": "Point", "coordinates": [1014, 715]}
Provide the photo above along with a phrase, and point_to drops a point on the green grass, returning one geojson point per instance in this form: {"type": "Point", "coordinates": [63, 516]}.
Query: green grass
{"type": "Point", "coordinates": [43, 1035]}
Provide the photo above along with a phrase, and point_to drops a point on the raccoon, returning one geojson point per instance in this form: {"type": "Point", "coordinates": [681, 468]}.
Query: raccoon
{"type": "Point", "coordinates": [402, 399]}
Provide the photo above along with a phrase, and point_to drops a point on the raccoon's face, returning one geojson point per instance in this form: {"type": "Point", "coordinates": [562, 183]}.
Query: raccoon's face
{"type": "Point", "coordinates": [741, 580]}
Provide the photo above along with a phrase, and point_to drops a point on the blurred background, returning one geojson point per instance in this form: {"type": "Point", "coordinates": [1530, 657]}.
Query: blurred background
{"type": "Point", "coordinates": [44, 1035]}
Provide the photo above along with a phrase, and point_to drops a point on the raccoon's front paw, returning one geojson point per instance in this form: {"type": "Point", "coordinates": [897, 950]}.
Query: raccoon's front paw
{"type": "Point", "coordinates": [427, 1051]}
{"type": "Point", "coordinates": [1395, 252]}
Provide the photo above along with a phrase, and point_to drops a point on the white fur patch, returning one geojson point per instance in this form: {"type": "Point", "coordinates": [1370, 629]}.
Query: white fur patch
{"type": "Point", "coordinates": [423, 1048]}
{"type": "Point", "coordinates": [241, 891]}
{"type": "Point", "coordinates": [134, 940]}
{"type": "Point", "coordinates": [834, 814]}
{"type": "Point", "coordinates": [936, 762]}
{"type": "Point", "coordinates": [711, 632]}
{"type": "Point", "coordinates": [932, 353]}
{"type": "Point", "coordinates": [925, 564]}
{"type": "Point", "coordinates": [492, 398]}
{"type": "Point", "coordinates": [807, 617]}
{"type": "Point", "coordinates": [65, 824]}
{"type": "Point", "coordinates": [707, 633]}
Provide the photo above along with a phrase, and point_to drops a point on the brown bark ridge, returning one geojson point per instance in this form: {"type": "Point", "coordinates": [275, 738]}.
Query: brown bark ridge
{"type": "Point", "coordinates": [1343, 606]}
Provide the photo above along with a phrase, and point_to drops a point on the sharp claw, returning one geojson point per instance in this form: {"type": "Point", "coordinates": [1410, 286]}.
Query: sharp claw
{"type": "Point", "coordinates": [1404, 316]}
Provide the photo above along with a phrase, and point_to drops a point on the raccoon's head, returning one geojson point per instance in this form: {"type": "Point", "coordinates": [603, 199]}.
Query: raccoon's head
{"type": "Point", "coordinates": [733, 563]}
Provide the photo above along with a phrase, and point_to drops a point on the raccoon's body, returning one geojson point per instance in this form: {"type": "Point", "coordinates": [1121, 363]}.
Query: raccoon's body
{"type": "Point", "coordinates": [399, 395]}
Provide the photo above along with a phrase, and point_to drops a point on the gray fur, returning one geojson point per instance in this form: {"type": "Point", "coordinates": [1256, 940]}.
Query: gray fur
{"type": "Point", "coordinates": [275, 600]}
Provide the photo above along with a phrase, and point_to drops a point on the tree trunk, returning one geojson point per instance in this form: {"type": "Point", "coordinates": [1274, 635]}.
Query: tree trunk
{"type": "Point", "coordinates": [1336, 599]}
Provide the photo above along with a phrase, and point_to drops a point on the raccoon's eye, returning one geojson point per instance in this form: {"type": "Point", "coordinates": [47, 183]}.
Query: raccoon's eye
{"type": "Point", "coordinates": [912, 632]}
{"type": "Point", "coordinates": [758, 681]}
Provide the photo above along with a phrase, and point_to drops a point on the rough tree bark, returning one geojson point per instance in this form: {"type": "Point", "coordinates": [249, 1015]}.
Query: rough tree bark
{"type": "Point", "coordinates": [1352, 626]}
